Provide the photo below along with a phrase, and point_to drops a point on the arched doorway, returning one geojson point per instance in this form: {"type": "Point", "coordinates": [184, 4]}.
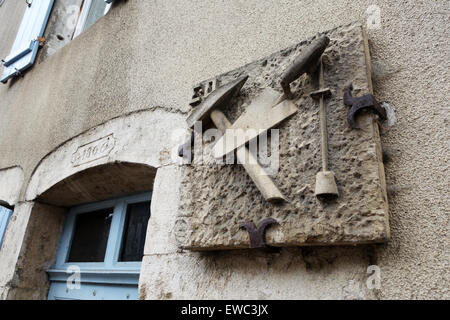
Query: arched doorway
{"type": "Point", "coordinates": [117, 159]}
{"type": "Point", "coordinates": [86, 234]}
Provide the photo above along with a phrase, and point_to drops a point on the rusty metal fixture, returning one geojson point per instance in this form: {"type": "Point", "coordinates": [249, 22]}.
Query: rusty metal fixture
{"type": "Point", "coordinates": [356, 104]}
{"type": "Point", "coordinates": [41, 41]}
{"type": "Point", "coordinates": [257, 234]}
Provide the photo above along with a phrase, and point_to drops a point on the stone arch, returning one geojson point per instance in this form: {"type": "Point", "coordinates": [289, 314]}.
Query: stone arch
{"type": "Point", "coordinates": [141, 137]}
{"type": "Point", "coordinates": [11, 180]}
{"type": "Point", "coordinates": [46, 217]}
{"type": "Point", "coordinates": [100, 182]}
{"type": "Point", "coordinates": [116, 158]}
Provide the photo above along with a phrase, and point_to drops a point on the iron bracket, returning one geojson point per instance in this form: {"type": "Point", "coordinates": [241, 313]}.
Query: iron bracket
{"type": "Point", "coordinates": [257, 234]}
{"type": "Point", "coordinates": [356, 104]}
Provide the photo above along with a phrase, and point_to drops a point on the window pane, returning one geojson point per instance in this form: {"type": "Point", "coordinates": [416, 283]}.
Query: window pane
{"type": "Point", "coordinates": [135, 231]}
{"type": "Point", "coordinates": [91, 236]}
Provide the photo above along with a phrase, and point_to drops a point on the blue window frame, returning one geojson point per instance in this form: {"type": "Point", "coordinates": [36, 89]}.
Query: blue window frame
{"type": "Point", "coordinates": [113, 278]}
{"type": "Point", "coordinates": [26, 44]}
{"type": "Point", "coordinates": [5, 214]}
{"type": "Point", "coordinates": [25, 47]}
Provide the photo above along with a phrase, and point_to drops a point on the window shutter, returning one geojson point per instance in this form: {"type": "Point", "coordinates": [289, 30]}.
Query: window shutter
{"type": "Point", "coordinates": [26, 44]}
{"type": "Point", "coordinates": [5, 214]}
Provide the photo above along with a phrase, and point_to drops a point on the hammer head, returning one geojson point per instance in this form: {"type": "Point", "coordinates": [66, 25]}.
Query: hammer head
{"type": "Point", "coordinates": [305, 62]}
{"type": "Point", "coordinates": [219, 98]}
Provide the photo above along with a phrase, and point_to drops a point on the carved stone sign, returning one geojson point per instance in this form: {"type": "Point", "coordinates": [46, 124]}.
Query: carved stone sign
{"type": "Point", "coordinates": [93, 150]}
{"type": "Point", "coordinates": [314, 139]}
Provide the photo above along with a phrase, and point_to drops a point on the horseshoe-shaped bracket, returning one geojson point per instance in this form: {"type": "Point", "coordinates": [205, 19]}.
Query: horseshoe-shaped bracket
{"type": "Point", "coordinates": [257, 234]}
{"type": "Point", "coordinates": [356, 104]}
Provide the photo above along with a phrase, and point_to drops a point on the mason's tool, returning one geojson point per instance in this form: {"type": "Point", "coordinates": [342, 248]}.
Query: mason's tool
{"type": "Point", "coordinates": [265, 112]}
{"type": "Point", "coordinates": [305, 62]}
{"type": "Point", "coordinates": [211, 98]}
{"type": "Point", "coordinates": [210, 108]}
{"type": "Point", "coordinates": [261, 115]}
{"type": "Point", "coordinates": [217, 99]}
{"type": "Point", "coordinates": [257, 234]}
{"type": "Point", "coordinates": [356, 104]}
{"type": "Point", "coordinates": [325, 181]}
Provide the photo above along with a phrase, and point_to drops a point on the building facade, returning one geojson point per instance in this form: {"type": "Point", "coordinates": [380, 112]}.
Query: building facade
{"type": "Point", "coordinates": [90, 190]}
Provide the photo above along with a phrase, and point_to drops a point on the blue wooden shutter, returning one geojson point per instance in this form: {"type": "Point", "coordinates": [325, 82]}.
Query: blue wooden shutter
{"type": "Point", "coordinates": [5, 214]}
{"type": "Point", "coordinates": [26, 45]}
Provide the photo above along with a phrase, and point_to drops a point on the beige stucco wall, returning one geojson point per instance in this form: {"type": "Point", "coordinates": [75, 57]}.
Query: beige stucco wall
{"type": "Point", "coordinates": [11, 13]}
{"type": "Point", "coordinates": [148, 54]}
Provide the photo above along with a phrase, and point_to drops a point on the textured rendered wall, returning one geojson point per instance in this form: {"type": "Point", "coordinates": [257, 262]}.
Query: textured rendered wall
{"type": "Point", "coordinates": [148, 54]}
{"type": "Point", "coordinates": [11, 13]}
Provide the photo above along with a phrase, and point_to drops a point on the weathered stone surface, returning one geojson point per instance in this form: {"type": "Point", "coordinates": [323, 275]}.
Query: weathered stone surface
{"type": "Point", "coordinates": [11, 180]}
{"type": "Point", "coordinates": [12, 243]}
{"type": "Point", "coordinates": [100, 183]}
{"type": "Point", "coordinates": [161, 233]}
{"type": "Point", "coordinates": [37, 252]}
{"type": "Point", "coordinates": [295, 273]}
{"type": "Point", "coordinates": [216, 199]}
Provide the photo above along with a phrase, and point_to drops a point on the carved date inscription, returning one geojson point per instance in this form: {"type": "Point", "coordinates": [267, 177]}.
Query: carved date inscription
{"type": "Point", "coordinates": [93, 150]}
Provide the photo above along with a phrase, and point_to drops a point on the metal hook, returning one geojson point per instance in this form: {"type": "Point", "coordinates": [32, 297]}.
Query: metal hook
{"type": "Point", "coordinates": [29, 3]}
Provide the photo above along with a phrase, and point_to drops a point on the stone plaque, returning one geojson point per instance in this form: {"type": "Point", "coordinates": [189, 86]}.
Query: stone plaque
{"type": "Point", "coordinates": [93, 150]}
{"type": "Point", "coordinates": [216, 199]}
